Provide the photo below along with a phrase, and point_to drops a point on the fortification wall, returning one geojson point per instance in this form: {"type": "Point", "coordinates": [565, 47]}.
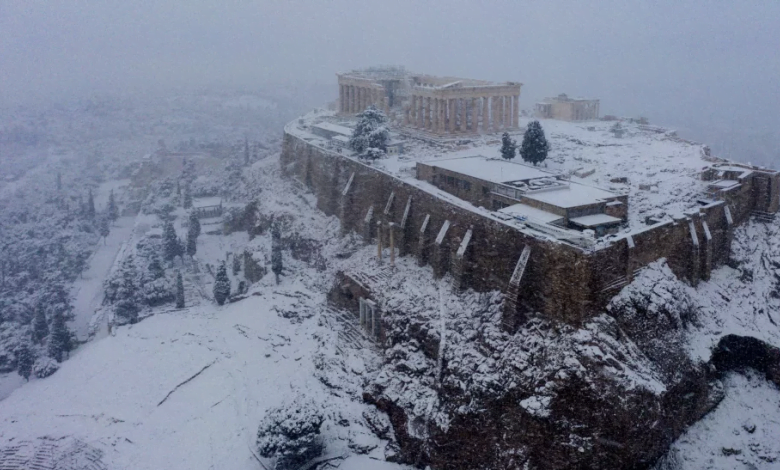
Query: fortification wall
{"type": "Point", "coordinates": [556, 280]}
{"type": "Point", "coordinates": [560, 280]}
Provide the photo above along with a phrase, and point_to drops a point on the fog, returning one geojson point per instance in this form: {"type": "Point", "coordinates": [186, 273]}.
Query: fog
{"type": "Point", "coordinates": [709, 69]}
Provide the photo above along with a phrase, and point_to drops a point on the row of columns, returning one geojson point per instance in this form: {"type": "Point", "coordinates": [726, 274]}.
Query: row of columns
{"type": "Point", "coordinates": [463, 115]}
{"type": "Point", "coordinates": [355, 99]}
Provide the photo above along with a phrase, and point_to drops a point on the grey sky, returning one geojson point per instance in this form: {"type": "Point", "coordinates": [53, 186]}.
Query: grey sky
{"type": "Point", "coordinates": [692, 64]}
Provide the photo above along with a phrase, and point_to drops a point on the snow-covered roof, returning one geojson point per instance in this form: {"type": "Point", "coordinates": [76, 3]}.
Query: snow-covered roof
{"type": "Point", "coordinates": [490, 169]}
{"type": "Point", "coordinates": [207, 201]}
{"type": "Point", "coordinates": [573, 195]}
{"type": "Point", "coordinates": [338, 129]}
{"type": "Point", "coordinates": [524, 210]}
{"type": "Point", "coordinates": [341, 138]}
{"type": "Point", "coordinates": [595, 220]}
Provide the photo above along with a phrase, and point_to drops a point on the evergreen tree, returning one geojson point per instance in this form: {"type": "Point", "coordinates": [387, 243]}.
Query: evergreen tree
{"type": "Point", "coordinates": [171, 246]}
{"type": "Point", "coordinates": [90, 206]}
{"type": "Point", "coordinates": [291, 433]}
{"type": "Point", "coordinates": [104, 229]}
{"type": "Point", "coordinates": [236, 265]}
{"type": "Point", "coordinates": [60, 338]}
{"type": "Point", "coordinates": [195, 221]}
{"type": "Point", "coordinates": [276, 252]}
{"type": "Point", "coordinates": [179, 291]}
{"type": "Point", "coordinates": [155, 266]}
{"type": "Point", "coordinates": [40, 325]}
{"type": "Point", "coordinates": [24, 360]}
{"type": "Point", "coordinates": [221, 285]}
{"type": "Point", "coordinates": [534, 148]}
{"type": "Point", "coordinates": [508, 147]}
{"type": "Point", "coordinates": [113, 210]}
{"type": "Point", "coordinates": [178, 187]}
{"type": "Point", "coordinates": [370, 133]}
{"type": "Point", "coordinates": [192, 239]}
{"type": "Point", "coordinates": [187, 203]}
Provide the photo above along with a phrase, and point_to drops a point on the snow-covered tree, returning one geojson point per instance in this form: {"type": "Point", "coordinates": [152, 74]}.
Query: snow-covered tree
{"type": "Point", "coordinates": [156, 270]}
{"type": "Point", "coordinates": [40, 325]}
{"type": "Point", "coordinates": [113, 210]}
{"type": "Point", "coordinates": [179, 291]}
{"type": "Point", "coordinates": [24, 360]}
{"type": "Point", "coordinates": [508, 147]}
{"type": "Point", "coordinates": [60, 340]}
{"type": "Point", "coordinates": [221, 285]}
{"type": "Point", "coordinates": [534, 147]}
{"type": "Point", "coordinates": [194, 221]}
{"type": "Point", "coordinates": [276, 252]}
{"type": "Point", "coordinates": [192, 238]}
{"type": "Point", "coordinates": [90, 210]}
{"type": "Point", "coordinates": [187, 201]}
{"type": "Point", "coordinates": [104, 228]}
{"type": "Point", "coordinates": [291, 434]}
{"type": "Point", "coordinates": [171, 246]}
{"type": "Point", "coordinates": [370, 133]}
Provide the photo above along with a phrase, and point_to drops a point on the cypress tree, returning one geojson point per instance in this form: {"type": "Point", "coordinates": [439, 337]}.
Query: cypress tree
{"type": "Point", "coordinates": [236, 265]}
{"type": "Point", "coordinates": [194, 221]}
{"type": "Point", "coordinates": [508, 147]}
{"type": "Point", "coordinates": [40, 326]}
{"type": "Point", "coordinates": [221, 285]}
{"type": "Point", "coordinates": [179, 291]}
{"type": "Point", "coordinates": [24, 360]}
{"type": "Point", "coordinates": [90, 206]}
{"type": "Point", "coordinates": [60, 339]}
{"type": "Point", "coordinates": [187, 203]}
{"type": "Point", "coordinates": [192, 239]}
{"type": "Point", "coordinates": [113, 210]}
{"type": "Point", "coordinates": [171, 247]}
{"type": "Point", "coordinates": [534, 148]}
{"type": "Point", "coordinates": [276, 252]}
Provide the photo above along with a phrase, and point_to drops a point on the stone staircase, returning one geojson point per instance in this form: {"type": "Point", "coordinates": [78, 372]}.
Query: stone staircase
{"type": "Point", "coordinates": [350, 335]}
{"type": "Point", "coordinates": [762, 216]}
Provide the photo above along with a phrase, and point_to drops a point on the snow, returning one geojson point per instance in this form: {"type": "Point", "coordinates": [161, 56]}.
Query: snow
{"type": "Point", "coordinates": [335, 128]}
{"type": "Point", "coordinates": [494, 170]}
{"type": "Point", "coordinates": [594, 220]}
{"type": "Point", "coordinates": [742, 432]}
{"type": "Point", "coordinates": [523, 210]}
{"type": "Point", "coordinates": [572, 195]}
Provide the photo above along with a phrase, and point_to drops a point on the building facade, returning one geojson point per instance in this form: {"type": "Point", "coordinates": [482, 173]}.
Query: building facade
{"type": "Point", "coordinates": [568, 109]}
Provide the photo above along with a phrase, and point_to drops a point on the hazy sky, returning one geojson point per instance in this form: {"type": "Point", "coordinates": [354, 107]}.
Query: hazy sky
{"type": "Point", "coordinates": [684, 63]}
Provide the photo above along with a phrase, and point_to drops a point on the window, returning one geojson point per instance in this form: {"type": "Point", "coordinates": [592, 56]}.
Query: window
{"type": "Point", "coordinates": [466, 185]}
{"type": "Point", "coordinates": [485, 191]}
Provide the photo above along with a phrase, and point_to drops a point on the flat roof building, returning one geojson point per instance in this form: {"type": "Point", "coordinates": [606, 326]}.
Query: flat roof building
{"type": "Point", "coordinates": [526, 192]}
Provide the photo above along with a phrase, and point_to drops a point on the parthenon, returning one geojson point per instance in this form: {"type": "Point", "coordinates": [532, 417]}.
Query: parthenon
{"type": "Point", "coordinates": [434, 105]}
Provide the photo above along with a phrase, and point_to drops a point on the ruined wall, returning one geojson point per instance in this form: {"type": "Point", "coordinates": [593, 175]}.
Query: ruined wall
{"type": "Point", "coordinates": [556, 279]}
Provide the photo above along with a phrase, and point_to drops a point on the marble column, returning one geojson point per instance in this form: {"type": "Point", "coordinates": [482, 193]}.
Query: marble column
{"type": "Point", "coordinates": [442, 115]}
{"type": "Point", "coordinates": [507, 111]}
{"type": "Point", "coordinates": [450, 115]}
{"type": "Point", "coordinates": [474, 116]}
{"type": "Point", "coordinates": [485, 114]}
{"type": "Point", "coordinates": [461, 106]}
{"type": "Point", "coordinates": [435, 115]}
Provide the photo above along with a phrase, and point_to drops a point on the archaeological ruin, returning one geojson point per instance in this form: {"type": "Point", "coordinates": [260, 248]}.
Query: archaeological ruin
{"type": "Point", "coordinates": [568, 109]}
{"type": "Point", "coordinates": [550, 242]}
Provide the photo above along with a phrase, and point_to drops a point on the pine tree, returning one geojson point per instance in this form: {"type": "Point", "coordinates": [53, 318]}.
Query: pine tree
{"type": "Point", "coordinates": [192, 238]}
{"type": "Point", "coordinates": [534, 148]}
{"type": "Point", "coordinates": [24, 360]}
{"type": "Point", "coordinates": [40, 325]}
{"type": "Point", "coordinates": [104, 229]}
{"type": "Point", "coordinates": [187, 202]}
{"type": "Point", "coordinates": [90, 206]}
{"type": "Point", "coordinates": [221, 285]}
{"type": "Point", "coordinates": [60, 338]}
{"type": "Point", "coordinates": [179, 291]}
{"type": "Point", "coordinates": [171, 247]}
{"type": "Point", "coordinates": [113, 210]}
{"type": "Point", "coordinates": [508, 147]}
{"type": "Point", "coordinates": [276, 252]}
{"type": "Point", "coordinates": [370, 133]}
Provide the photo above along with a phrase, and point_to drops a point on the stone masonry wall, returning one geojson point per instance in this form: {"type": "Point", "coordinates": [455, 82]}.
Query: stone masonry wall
{"type": "Point", "coordinates": [560, 280]}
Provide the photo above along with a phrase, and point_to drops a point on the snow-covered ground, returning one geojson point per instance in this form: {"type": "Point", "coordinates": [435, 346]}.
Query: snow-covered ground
{"type": "Point", "coordinates": [743, 432]}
